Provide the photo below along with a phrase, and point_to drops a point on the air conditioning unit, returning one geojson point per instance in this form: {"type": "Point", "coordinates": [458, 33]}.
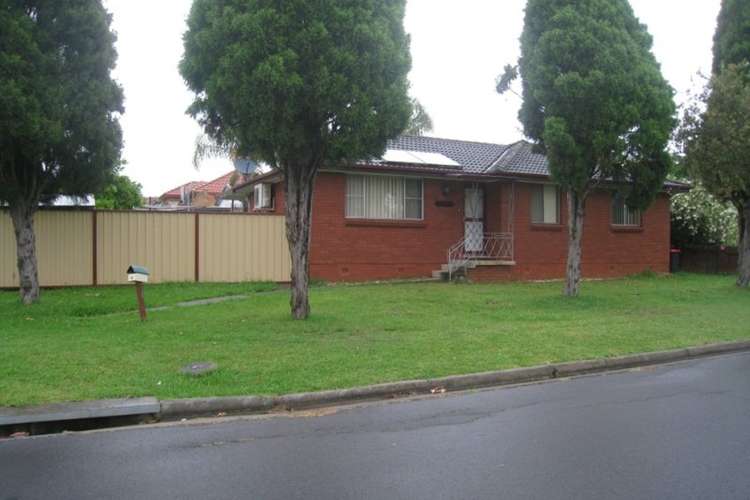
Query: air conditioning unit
{"type": "Point", "coordinates": [262, 196]}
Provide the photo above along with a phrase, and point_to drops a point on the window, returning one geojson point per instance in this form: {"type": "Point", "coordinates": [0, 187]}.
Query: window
{"type": "Point", "coordinates": [623, 215]}
{"type": "Point", "coordinates": [262, 196]}
{"type": "Point", "coordinates": [383, 197]}
{"type": "Point", "coordinates": [545, 204]}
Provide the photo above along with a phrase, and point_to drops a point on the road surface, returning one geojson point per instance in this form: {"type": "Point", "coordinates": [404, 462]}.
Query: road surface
{"type": "Point", "coordinates": [671, 432]}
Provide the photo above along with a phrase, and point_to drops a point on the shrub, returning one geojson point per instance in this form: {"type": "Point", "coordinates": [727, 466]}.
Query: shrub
{"type": "Point", "coordinates": [699, 219]}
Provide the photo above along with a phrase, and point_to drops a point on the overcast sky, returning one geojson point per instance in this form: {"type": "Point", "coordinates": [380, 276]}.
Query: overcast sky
{"type": "Point", "coordinates": [458, 49]}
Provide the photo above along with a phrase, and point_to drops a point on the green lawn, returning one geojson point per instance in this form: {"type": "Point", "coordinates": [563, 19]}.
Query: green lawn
{"type": "Point", "coordinates": [88, 343]}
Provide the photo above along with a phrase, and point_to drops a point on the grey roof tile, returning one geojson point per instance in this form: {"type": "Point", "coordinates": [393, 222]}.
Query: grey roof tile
{"type": "Point", "coordinates": [520, 158]}
{"type": "Point", "coordinates": [474, 157]}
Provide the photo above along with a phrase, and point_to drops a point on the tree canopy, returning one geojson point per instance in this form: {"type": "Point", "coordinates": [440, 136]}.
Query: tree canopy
{"type": "Point", "coordinates": [297, 85]}
{"type": "Point", "coordinates": [59, 111]}
{"type": "Point", "coordinates": [594, 96]}
{"type": "Point", "coordinates": [59, 106]}
{"type": "Point", "coordinates": [732, 38]}
{"type": "Point", "coordinates": [298, 81]}
{"type": "Point", "coordinates": [420, 122]}
{"type": "Point", "coordinates": [121, 193]}
{"type": "Point", "coordinates": [595, 101]}
{"type": "Point", "coordinates": [716, 135]}
{"type": "Point", "coordinates": [716, 139]}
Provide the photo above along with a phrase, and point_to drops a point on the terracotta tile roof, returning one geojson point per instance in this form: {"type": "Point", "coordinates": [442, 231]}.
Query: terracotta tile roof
{"type": "Point", "coordinates": [177, 192]}
{"type": "Point", "coordinates": [216, 186]}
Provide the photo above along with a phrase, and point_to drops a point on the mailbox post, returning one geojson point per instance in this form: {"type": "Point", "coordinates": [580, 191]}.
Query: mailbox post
{"type": "Point", "coordinates": [139, 276]}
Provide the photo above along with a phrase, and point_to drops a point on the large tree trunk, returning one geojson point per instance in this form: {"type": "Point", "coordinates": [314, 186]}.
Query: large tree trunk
{"type": "Point", "coordinates": [744, 248]}
{"type": "Point", "coordinates": [576, 211]}
{"type": "Point", "coordinates": [299, 192]}
{"type": "Point", "coordinates": [23, 224]}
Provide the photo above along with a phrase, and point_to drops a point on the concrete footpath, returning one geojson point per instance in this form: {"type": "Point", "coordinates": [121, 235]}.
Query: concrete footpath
{"type": "Point", "coordinates": [14, 419]}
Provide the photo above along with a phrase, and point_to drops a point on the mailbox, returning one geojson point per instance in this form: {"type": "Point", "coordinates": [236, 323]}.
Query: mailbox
{"type": "Point", "coordinates": [138, 274]}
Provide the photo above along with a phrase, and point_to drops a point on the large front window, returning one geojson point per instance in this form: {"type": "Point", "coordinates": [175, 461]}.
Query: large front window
{"type": "Point", "coordinates": [383, 197]}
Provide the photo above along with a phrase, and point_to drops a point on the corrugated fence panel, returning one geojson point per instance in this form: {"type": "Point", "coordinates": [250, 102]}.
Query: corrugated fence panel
{"type": "Point", "coordinates": [162, 242]}
{"type": "Point", "coordinates": [64, 248]}
{"type": "Point", "coordinates": [8, 272]}
{"type": "Point", "coordinates": [235, 248]}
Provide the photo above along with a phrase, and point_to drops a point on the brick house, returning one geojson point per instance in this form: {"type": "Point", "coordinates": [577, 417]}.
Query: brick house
{"type": "Point", "coordinates": [198, 194]}
{"type": "Point", "coordinates": [433, 206]}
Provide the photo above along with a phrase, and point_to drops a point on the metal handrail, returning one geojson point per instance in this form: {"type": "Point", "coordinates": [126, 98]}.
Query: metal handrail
{"type": "Point", "coordinates": [495, 246]}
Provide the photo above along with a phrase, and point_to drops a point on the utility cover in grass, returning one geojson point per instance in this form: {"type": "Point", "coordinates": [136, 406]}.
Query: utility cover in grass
{"type": "Point", "coordinates": [198, 369]}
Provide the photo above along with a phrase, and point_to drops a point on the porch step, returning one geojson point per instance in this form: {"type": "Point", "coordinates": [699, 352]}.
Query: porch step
{"type": "Point", "coordinates": [444, 273]}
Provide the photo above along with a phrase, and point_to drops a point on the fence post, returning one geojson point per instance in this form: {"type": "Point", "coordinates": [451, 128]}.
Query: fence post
{"type": "Point", "coordinates": [197, 247]}
{"type": "Point", "coordinates": [94, 249]}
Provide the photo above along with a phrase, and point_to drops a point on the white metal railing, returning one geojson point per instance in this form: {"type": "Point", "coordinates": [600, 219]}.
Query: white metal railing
{"type": "Point", "coordinates": [488, 246]}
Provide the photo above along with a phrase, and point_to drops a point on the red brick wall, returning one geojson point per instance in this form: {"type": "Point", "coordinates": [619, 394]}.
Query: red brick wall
{"type": "Point", "coordinates": [541, 251]}
{"type": "Point", "coordinates": [350, 250]}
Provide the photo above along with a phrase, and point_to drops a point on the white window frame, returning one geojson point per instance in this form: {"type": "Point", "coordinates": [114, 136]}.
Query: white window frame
{"type": "Point", "coordinates": [558, 204]}
{"type": "Point", "coordinates": [365, 178]}
{"type": "Point", "coordinates": [262, 197]}
{"type": "Point", "coordinates": [633, 217]}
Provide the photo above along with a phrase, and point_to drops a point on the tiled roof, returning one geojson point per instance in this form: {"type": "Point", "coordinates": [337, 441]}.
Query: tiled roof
{"type": "Point", "coordinates": [216, 186]}
{"type": "Point", "coordinates": [177, 192]}
{"type": "Point", "coordinates": [474, 157]}
{"type": "Point", "coordinates": [520, 158]}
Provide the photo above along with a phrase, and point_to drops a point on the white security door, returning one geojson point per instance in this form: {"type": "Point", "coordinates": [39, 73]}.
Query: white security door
{"type": "Point", "coordinates": [474, 219]}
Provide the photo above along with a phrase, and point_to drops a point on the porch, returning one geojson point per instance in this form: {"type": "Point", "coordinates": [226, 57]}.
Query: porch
{"type": "Point", "coordinates": [488, 236]}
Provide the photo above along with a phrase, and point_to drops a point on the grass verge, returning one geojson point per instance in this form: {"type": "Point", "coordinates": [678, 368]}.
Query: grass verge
{"type": "Point", "coordinates": [71, 346]}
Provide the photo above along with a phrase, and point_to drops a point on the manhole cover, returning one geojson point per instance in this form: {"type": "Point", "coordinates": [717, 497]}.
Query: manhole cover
{"type": "Point", "coordinates": [197, 369]}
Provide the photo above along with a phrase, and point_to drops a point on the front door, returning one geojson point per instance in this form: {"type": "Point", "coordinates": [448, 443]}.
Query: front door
{"type": "Point", "coordinates": [474, 219]}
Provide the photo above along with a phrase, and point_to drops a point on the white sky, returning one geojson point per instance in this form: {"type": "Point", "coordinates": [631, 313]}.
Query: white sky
{"type": "Point", "coordinates": [458, 48]}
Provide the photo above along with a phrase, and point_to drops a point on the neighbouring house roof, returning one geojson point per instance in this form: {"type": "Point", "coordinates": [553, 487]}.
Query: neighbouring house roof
{"type": "Point", "coordinates": [177, 192]}
{"type": "Point", "coordinates": [216, 186]}
{"type": "Point", "coordinates": [474, 159]}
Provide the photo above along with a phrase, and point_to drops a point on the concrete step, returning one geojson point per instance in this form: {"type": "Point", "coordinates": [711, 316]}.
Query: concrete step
{"type": "Point", "coordinates": [79, 411]}
{"type": "Point", "coordinates": [440, 275]}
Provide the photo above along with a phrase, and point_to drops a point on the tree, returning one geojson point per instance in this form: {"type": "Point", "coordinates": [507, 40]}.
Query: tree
{"type": "Point", "coordinates": [732, 38]}
{"type": "Point", "coordinates": [299, 85]}
{"type": "Point", "coordinates": [420, 122]}
{"type": "Point", "coordinates": [59, 111]}
{"type": "Point", "coordinates": [732, 46]}
{"type": "Point", "coordinates": [121, 193]}
{"type": "Point", "coordinates": [715, 135]}
{"type": "Point", "coordinates": [595, 102]}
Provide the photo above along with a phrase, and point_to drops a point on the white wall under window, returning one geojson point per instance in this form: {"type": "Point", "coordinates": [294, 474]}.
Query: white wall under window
{"type": "Point", "coordinates": [545, 204]}
{"type": "Point", "coordinates": [384, 197]}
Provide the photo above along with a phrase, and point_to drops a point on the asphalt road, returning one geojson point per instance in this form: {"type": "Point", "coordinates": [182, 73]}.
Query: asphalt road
{"type": "Point", "coordinates": [673, 432]}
